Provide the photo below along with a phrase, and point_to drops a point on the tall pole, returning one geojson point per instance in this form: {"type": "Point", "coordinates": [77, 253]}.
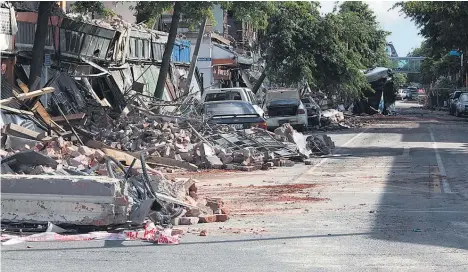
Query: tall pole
{"type": "Point", "coordinates": [37, 60]}
{"type": "Point", "coordinates": [193, 63]}
{"type": "Point", "coordinates": [159, 91]}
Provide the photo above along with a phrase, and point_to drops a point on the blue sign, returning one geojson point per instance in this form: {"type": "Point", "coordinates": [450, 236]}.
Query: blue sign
{"type": "Point", "coordinates": [47, 59]}
{"type": "Point", "coordinates": [454, 53]}
{"type": "Point", "coordinates": [204, 59]}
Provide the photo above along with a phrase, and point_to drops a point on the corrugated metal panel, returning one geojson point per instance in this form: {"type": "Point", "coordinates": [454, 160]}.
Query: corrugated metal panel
{"type": "Point", "coordinates": [7, 92]}
{"type": "Point", "coordinates": [26, 32]}
{"type": "Point", "coordinates": [181, 51]}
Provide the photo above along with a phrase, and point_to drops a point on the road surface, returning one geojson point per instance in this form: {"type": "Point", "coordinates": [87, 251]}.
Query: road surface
{"type": "Point", "coordinates": [396, 200]}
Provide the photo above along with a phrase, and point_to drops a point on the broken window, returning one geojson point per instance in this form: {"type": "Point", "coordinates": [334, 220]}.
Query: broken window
{"type": "Point", "coordinates": [70, 41]}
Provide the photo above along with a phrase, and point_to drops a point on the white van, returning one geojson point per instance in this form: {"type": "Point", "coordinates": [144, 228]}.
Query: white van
{"type": "Point", "coordinates": [285, 106]}
{"type": "Point", "coordinates": [239, 93]}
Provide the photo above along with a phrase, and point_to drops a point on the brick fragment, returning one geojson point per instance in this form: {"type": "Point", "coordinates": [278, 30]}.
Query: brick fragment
{"type": "Point", "coordinates": [188, 220]}
{"type": "Point", "coordinates": [222, 217]}
{"type": "Point", "coordinates": [207, 218]}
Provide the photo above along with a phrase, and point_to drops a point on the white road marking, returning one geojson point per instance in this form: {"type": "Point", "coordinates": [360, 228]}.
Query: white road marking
{"type": "Point", "coordinates": [344, 145]}
{"type": "Point", "coordinates": [406, 152]}
{"type": "Point", "coordinates": [444, 183]}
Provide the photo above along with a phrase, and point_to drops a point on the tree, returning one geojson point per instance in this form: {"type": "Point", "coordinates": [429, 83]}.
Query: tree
{"type": "Point", "coordinates": [95, 8]}
{"type": "Point", "coordinates": [37, 59]}
{"type": "Point", "coordinates": [399, 80]}
{"type": "Point", "coordinates": [442, 24]}
{"type": "Point", "coordinates": [289, 42]}
{"type": "Point", "coordinates": [328, 52]}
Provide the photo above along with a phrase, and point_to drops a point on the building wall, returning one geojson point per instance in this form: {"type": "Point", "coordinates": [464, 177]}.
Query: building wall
{"type": "Point", "coordinates": [218, 25]}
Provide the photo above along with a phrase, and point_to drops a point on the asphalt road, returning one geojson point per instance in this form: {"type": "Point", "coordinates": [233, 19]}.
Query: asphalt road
{"type": "Point", "coordinates": [398, 203]}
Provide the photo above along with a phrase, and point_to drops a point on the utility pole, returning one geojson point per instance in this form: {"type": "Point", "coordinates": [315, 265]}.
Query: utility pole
{"type": "Point", "coordinates": [37, 59]}
{"type": "Point", "coordinates": [193, 63]}
{"type": "Point", "coordinates": [159, 91]}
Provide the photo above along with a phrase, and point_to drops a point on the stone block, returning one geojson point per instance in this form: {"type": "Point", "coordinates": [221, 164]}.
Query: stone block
{"type": "Point", "coordinates": [188, 220]}
{"type": "Point", "coordinates": [86, 151]}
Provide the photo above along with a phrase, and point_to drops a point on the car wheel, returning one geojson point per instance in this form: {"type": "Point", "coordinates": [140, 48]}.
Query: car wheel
{"type": "Point", "coordinates": [457, 113]}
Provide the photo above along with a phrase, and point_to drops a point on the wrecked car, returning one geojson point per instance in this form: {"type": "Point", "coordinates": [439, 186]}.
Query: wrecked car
{"type": "Point", "coordinates": [235, 114]}
{"type": "Point", "coordinates": [314, 113]}
{"type": "Point", "coordinates": [285, 106]}
{"type": "Point", "coordinates": [242, 94]}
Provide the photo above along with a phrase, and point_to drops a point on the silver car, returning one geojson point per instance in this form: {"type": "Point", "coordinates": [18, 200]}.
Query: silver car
{"type": "Point", "coordinates": [461, 105]}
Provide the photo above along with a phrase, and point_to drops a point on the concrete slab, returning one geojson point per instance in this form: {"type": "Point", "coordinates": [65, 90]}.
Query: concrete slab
{"type": "Point", "coordinates": [79, 200]}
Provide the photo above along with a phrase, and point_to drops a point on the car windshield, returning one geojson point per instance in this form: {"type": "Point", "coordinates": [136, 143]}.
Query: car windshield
{"type": "Point", "coordinates": [231, 95]}
{"type": "Point", "coordinates": [229, 108]}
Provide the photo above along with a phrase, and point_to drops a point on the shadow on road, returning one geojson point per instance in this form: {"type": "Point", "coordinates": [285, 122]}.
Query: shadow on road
{"type": "Point", "coordinates": [430, 216]}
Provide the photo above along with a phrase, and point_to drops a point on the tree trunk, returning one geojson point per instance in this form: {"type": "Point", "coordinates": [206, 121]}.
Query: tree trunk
{"type": "Point", "coordinates": [195, 55]}
{"type": "Point", "coordinates": [39, 41]}
{"type": "Point", "coordinates": [159, 91]}
{"type": "Point", "coordinates": [259, 81]}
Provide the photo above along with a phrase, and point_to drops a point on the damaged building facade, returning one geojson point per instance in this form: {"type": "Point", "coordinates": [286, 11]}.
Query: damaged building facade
{"type": "Point", "coordinates": [110, 59]}
{"type": "Point", "coordinates": [88, 145]}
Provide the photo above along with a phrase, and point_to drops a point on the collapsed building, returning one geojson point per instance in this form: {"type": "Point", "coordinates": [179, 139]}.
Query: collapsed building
{"type": "Point", "coordinates": [88, 145]}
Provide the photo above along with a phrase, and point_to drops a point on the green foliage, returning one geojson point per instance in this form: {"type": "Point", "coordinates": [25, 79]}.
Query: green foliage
{"type": "Point", "coordinates": [328, 52]}
{"type": "Point", "coordinates": [95, 8]}
{"type": "Point", "coordinates": [399, 80]}
{"type": "Point", "coordinates": [443, 25]}
{"type": "Point", "coordinates": [254, 12]}
{"type": "Point", "coordinates": [289, 42]}
{"type": "Point", "coordinates": [193, 12]}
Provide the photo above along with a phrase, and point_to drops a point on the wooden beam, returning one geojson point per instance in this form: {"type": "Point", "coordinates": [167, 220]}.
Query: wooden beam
{"type": "Point", "coordinates": [3, 107]}
{"type": "Point", "coordinates": [38, 107]}
{"type": "Point", "coordinates": [71, 117]}
{"type": "Point", "coordinates": [26, 96]}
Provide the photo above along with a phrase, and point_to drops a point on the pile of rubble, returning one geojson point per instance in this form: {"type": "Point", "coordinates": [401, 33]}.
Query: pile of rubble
{"type": "Point", "coordinates": [112, 173]}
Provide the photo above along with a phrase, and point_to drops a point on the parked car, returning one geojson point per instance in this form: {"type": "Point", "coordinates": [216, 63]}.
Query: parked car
{"type": "Point", "coordinates": [314, 113]}
{"type": "Point", "coordinates": [236, 114]}
{"type": "Point", "coordinates": [453, 100]}
{"type": "Point", "coordinates": [285, 106]}
{"type": "Point", "coordinates": [412, 93]}
{"type": "Point", "coordinates": [241, 94]}
{"type": "Point", "coordinates": [404, 94]}
{"type": "Point", "coordinates": [461, 104]}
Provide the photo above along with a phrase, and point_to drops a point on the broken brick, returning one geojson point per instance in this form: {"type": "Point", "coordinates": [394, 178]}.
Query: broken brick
{"type": "Point", "coordinates": [207, 218]}
{"type": "Point", "coordinates": [99, 155]}
{"type": "Point", "coordinates": [194, 212]}
{"type": "Point", "coordinates": [188, 220]}
{"type": "Point", "coordinates": [222, 217]}
{"type": "Point", "coordinates": [177, 232]}
{"type": "Point", "coordinates": [214, 203]}
{"type": "Point", "coordinates": [84, 150]}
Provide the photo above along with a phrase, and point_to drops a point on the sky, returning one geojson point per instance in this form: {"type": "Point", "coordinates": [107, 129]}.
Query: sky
{"type": "Point", "coordinates": [404, 33]}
